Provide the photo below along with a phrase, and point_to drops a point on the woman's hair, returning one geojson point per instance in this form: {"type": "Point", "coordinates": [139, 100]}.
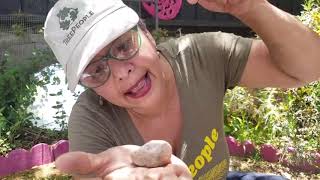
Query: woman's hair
{"type": "Point", "coordinates": [142, 25]}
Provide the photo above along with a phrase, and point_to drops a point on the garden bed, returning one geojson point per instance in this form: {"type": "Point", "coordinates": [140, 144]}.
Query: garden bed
{"type": "Point", "coordinates": [49, 172]}
{"type": "Point", "coordinates": [249, 165]}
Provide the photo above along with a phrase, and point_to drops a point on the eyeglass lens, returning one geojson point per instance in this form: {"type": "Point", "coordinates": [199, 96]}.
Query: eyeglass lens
{"type": "Point", "coordinates": [123, 48]}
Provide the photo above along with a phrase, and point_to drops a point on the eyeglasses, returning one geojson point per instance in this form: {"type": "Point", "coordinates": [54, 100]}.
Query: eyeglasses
{"type": "Point", "coordinates": [123, 48]}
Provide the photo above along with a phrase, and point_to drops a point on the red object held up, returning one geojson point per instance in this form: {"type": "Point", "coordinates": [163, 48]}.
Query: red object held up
{"type": "Point", "coordinates": [167, 9]}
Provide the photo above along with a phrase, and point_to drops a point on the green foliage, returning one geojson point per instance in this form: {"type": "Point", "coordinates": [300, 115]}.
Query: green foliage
{"type": "Point", "coordinates": [160, 35]}
{"type": "Point", "coordinates": [18, 30]}
{"type": "Point", "coordinates": [253, 114]}
{"type": "Point", "coordinates": [60, 114]}
{"type": "Point", "coordinates": [279, 116]}
{"type": "Point", "coordinates": [5, 146]}
{"type": "Point", "coordinates": [311, 14]}
{"type": "Point", "coordinates": [18, 88]}
{"type": "Point", "coordinates": [284, 117]}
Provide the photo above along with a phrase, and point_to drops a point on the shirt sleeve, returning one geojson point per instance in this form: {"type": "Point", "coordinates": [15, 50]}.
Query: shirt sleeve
{"type": "Point", "coordinates": [224, 54]}
{"type": "Point", "coordinates": [89, 131]}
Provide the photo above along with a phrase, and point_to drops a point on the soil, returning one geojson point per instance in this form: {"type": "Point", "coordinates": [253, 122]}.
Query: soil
{"type": "Point", "coordinates": [249, 165]}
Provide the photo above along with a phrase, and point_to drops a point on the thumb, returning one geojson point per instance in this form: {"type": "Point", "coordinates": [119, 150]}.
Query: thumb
{"type": "Point", "coordinates": [77, 163]}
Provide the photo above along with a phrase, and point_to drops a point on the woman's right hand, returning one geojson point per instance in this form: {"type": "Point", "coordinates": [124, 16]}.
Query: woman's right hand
{"type": "Point", "coordinates": [120, 162]}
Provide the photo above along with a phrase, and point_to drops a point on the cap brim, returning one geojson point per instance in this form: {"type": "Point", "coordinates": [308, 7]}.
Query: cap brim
{"type": "Point", "coordinates": [99, 36]}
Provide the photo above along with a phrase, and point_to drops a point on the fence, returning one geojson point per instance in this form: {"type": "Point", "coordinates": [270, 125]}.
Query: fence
{"type": "Point", "coordinates": [26, 18]}
{"type": "Point", "coordinates": [20, 36]}
{"type": "Point", "coordinates": [193, 16]}
{"type": "Point", "coordinates": [21, 159]}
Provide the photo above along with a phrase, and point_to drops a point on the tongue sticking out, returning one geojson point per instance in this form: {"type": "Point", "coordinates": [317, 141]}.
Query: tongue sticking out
{"type": "Point", "coordinates": [140, 85]}
{"type": "Point", "coordinates": [141, 88]}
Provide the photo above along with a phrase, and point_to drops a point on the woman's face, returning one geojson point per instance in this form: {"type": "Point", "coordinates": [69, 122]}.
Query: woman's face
{"type": "Point", "coordinates": [139, 83]}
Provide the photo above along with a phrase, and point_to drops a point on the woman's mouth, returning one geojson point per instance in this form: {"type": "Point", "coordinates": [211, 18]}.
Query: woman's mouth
{"type": "Point", "coordinates": [141, 88]}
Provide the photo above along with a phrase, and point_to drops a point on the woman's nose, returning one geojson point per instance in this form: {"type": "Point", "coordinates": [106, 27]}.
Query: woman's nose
{"type": "Point", "coordinates": [120, 69]}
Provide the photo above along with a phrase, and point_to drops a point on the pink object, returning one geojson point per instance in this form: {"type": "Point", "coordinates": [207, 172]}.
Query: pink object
{"type": "Point", "coordinates": [232, 145]}
{"type": "Point", "coordinates": [59, 148]}
{"type": "Point", "coordinates": [241, 150]}
{"type": "Point", "coordinates": [18, 160]}
{"type": "Point", "coordinates": [317, 159]}
{"type": "Point", "coordinates": [21, 159]}
{"type": "Point", "coordinates": [41, 154]}
{"type": "Point", "coordinates": [168, 9]}
{"type": "Point", "coordinates": [3, 166]}
{"type": "Point", "coordinates": [269, 153]}
{"type": "Point", "coordinates": [235, 148]}
{"type": "Point", "coordinates": [249, 148]}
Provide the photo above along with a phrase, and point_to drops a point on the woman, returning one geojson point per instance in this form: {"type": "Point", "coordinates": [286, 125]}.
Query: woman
{"type": "Point", "coordinates": [138, 91]}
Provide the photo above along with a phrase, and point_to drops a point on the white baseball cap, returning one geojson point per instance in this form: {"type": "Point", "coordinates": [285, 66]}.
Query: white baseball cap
{"type": "Point", "coordinates": [76, 30]}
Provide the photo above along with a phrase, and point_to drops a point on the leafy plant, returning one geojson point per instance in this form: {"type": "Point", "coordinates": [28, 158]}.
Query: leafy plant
{"type": "Point", "coordinates": [18, 30]}
{"type": "Point", "coordinates": [160, 35]}
{"type": "Point", "coordinates": [283, 117]}
{"type": "Point", "coordinates": [18, 87]}
{"type": "Point", "coordinates": [310, 16]}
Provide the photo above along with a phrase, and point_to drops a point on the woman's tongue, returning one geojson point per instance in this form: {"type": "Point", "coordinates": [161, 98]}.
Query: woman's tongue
{"type": "Point", "coordinates": [140, 89]}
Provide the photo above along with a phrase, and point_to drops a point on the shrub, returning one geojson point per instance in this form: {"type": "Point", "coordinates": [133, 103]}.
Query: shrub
{"type": "Point", "coordinates": [18, 88]}
{"type": "Point", "coordinates": [284, 117]}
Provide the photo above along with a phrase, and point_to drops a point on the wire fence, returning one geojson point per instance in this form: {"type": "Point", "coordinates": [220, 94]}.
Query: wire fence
{"type": "Point", "coordinates": [21, 23]}
{"type": "Point", "coordinates": [20, 35]}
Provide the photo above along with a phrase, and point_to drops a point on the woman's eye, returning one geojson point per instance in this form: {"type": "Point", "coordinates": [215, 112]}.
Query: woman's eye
{"type": "Point", "coordinates": [98, 69]}
{"type": "Point", "coordinates": [124, 46]}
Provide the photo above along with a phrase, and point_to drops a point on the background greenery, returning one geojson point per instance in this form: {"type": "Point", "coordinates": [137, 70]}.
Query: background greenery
{"type": "Point", "coordinates": [283, 117]}
{"type": "Point", "coordinates": [18, 89]}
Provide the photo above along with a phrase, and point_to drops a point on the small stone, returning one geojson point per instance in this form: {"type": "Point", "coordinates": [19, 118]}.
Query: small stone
{"type": "Point", "coordinates": [155, 153]}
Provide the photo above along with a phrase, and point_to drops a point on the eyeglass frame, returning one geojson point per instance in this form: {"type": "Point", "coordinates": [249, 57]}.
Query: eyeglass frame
{"type": "Point", "coordinates": [109, 56]}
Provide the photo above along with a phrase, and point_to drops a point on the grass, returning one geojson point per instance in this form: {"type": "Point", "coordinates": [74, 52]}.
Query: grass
{"type": "Point", "coordinates": [44, 172]}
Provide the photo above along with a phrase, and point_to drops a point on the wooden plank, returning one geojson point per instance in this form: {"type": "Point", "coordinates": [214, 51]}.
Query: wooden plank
{"type": "Point", "coordinates": [188, 16]}
{"type": "Point", "coordinates": [9, 6]}
{"type": "Point", "coordinates": [203, 14]}
{"type": "Point", "coordinates": [187, 12]}
{"type": "Point", "coordinates": [199, 17]}
{"type": "Point", "coordinates": [35, 7]}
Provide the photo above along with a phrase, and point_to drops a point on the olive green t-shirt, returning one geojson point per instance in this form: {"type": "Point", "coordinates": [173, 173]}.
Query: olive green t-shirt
{"type": "Point", "coordinates": [205, 65]}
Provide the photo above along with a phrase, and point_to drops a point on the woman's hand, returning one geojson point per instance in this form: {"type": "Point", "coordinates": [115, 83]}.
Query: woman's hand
{"type": "Point", "coordinates": [234, 7]}
{"type": "Point", "coordinates": [155, 162]}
